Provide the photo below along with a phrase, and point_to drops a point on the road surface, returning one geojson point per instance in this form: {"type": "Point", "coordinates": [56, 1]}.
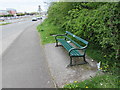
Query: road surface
{"type": "Point", "coordinates": [24, 63]}
{"type": "Point", "coordinates": [11, 31]}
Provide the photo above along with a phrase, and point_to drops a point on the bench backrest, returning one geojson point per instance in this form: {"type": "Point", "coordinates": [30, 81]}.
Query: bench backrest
{"type": "Point", "coordinates": [78, 38]}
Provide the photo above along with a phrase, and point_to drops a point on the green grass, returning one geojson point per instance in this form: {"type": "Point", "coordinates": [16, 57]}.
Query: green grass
{"type": "Point", "coordinates": [5, 23]}
{"type": "Point", "coordinates": [46, 31]}
{"type": "Point", "coordinates": [103, 81]}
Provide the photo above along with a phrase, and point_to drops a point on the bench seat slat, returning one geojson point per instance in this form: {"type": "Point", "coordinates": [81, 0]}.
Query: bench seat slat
{"type": "Point", "coordinates": [74, 42]}
{"type": "Point", "coordinates": [67, 46]}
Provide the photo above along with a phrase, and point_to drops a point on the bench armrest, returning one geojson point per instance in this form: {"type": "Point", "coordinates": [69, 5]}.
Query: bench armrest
{"type": "Point", "coordinates": [83, 48]}
{"type": "Point", "coordinates": [59, 35]}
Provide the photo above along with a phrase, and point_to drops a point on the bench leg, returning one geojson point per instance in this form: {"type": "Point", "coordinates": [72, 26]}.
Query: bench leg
{"type": "Point", "coordinates": [56, 43]}
{"type": "Point", "coordinates": [84, 59]}
{"type": "Point", "coordinates": [70, 62]}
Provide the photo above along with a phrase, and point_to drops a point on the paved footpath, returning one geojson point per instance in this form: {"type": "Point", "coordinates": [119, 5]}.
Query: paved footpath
{"type": "Point", "coordinates": [24, 64]}
{"type": "Point", "coordinates": [58, 59]}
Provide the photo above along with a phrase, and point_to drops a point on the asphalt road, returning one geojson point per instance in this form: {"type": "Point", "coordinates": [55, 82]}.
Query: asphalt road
{"type": "Point", "coordinates": [11, 31]}
{"type": "Point", "coordinates": [24, 63]}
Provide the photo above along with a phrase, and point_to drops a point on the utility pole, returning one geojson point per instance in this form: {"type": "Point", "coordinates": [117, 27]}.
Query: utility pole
{"type": "Point", "coordinates": [39, 9]}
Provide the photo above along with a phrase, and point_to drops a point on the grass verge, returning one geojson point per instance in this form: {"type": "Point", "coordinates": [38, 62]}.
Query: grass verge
{"type": "Point", "coordinates": [47, 32]}
{"type": "Point", "coordinates": [5, 23]}
{"type": "Point", "coordinates": [103, 81]}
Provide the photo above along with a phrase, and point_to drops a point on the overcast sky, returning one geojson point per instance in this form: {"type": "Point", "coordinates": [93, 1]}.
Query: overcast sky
{"type": "Point", "coordinates": [24, 5]}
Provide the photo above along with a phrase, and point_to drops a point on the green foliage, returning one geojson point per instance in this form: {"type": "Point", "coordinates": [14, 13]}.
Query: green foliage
{"type": "Point", "coordinates": [20, 14]}
{"type": "Point", "coordinates": [96, 22]}
{"type": "Point", "coordinates": [58, 11]}
{"type": "Point", "coordinates": [9, 15]}
{"type": "Point", "coordinates": [103, 81]}
{"type": "Point", "coordinates": [107, 64]}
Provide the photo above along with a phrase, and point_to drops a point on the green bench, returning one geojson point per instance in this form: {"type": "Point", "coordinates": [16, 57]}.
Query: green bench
{"type": "Point", "coordinates": [73, 51]}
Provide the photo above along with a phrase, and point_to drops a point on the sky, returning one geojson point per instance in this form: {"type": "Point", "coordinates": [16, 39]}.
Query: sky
{"type": "Point", "coordinates": [25, 5]}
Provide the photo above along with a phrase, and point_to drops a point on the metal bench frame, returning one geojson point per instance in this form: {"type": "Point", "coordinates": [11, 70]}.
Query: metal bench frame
{"type": "Point", "coordinates": [79, 47]}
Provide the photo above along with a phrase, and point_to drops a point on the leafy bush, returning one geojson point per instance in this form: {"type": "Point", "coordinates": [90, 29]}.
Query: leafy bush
{"type": "Point", "coordinates": [20, 14]}
{"type": "Point", "coordinates": [97, 22]}
{"type": "Point", "coordinates": [100, 26]}
{"type": "Point", "coordinates": [9, 15]}
{"type": "Point", "coordinates": [58, 11]}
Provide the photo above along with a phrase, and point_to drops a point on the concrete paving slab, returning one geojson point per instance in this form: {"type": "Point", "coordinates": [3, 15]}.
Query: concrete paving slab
{"type": "Point", "coordinates": [58, 59]}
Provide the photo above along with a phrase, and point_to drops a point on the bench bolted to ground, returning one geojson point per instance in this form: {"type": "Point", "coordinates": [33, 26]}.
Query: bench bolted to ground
{"type": "Point", "coordinates": [73, 51]}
